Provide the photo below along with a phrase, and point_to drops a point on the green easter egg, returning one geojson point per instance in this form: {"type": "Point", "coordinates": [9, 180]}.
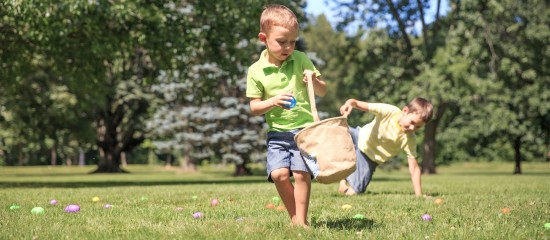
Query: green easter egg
{"type": "Point", "coordinates": [15, 207]}
{"type": "Point", "coordinates": [37, 210]}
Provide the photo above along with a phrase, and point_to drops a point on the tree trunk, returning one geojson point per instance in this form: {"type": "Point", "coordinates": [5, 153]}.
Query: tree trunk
{"type": "Point", "coordinates": [53, 154]}
{"type": "Point", "coordinates": [21, 159]}
{"type": "Point", "coordinates": [81, 161]}
{"type": "Point", "coordinates": [123, 159]}
{"type": "Point", "coordinates": [110, 162]}
{"type": "Point", "coordinates": [169, 160]}
{"type": "Point", "coordinates": [517, 155]}
{"type": "Point", "coordinates": [428, 160]}
{"type": "Point", "coordinates": [187, 164]}
{"type": "Point", "coordinates": [109, 150]}
{"type": "Point", "coordinates": [429, 145]}
{"type": "Point", "coordinates": [241, 169]}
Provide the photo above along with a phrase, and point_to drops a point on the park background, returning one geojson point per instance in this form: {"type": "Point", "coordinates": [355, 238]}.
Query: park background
{"type": "Point", "coordinates": [157, 89]}
{"type": "Point", "coordinates": [110, 83]}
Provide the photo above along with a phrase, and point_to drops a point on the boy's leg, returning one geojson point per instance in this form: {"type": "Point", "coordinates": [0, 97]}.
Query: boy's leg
{"type": "Point", "coordinates": [281, 178]}
{"type": "Point", "coordinates": [278, 168]}
{"type": "Point", "coordinates": [360, 179]}
{"type": "Point", "coordinates": [302, 191]}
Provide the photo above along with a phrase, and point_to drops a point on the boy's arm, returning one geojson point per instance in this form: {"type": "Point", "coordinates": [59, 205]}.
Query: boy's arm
{"type": "Point", "coordinates": [319, 86]}
{"type": "Point", "coordinates": [415, 176]}
{"type": "Point", "coordinates": [351, 104]}
{"type": "Point", "coordinates": [259, 107]}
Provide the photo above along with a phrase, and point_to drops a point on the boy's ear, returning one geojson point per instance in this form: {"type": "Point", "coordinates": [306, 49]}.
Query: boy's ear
{"type": "Point", "coordinates": [405, 110]}
{"type": "Point", "coordinates": [262, 36]}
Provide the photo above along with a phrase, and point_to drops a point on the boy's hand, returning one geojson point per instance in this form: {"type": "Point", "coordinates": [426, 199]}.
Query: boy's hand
{"type": "Point", "coordinates": [281, 100]}
{"type": "Point", "coordinates": [313, 76]}
{"type": "Point", "coordinates": [345, 109]}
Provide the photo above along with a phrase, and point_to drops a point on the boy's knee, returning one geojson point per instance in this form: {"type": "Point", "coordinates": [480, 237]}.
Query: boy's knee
{"type": "Point", "coordinates": [280, 175]}
{"type": "Point", "coordinates": [301, 176]}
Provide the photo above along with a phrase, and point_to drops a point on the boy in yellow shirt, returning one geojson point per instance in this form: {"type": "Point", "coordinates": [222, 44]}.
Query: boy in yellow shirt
{"type": "Point", "coordinates": [391, 132]}
{"type": "Point", "coordinates": [272, 82]}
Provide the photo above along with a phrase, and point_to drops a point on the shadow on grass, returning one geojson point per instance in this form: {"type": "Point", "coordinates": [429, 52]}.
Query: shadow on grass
{"type": "Point", "coordinates": [84, 184]}
{"type": "Point", "coordinates": [346, 224]}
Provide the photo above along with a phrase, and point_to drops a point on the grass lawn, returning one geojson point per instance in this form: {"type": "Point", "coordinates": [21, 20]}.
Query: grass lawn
{"type": "Point", "coordinates": [158, 203]}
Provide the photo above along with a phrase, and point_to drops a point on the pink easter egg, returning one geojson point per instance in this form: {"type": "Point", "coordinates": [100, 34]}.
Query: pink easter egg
{"type": "Point", "coordinates": [72, 208]}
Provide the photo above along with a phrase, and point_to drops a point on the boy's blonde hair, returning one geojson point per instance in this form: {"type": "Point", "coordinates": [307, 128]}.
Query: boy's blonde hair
{"type": "Point", "coordinates": [277, 15]}
{"type": "Point", "coordinates": [422, 107]}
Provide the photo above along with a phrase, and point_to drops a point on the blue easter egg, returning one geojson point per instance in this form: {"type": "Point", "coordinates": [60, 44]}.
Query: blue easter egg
{"type": "Point", "coordinates": [291, 103]}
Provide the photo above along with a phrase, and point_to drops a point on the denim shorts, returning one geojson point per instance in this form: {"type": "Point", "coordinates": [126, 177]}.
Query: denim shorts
{"type": "Point", "coordinates": [360, 179]}
{"type": "Point", "coordinates": [282, 152]}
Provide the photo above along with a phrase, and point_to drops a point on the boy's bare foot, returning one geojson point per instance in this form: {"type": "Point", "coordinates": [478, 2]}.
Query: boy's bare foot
{"type": "Point", "coordinates": [295, 223]}
{"type": "Point", "coordinates": [342, 187]}
{"type": "Point", "coordinates": [303, 225]}
{"type": "Point", "coordinates": [350, 192]}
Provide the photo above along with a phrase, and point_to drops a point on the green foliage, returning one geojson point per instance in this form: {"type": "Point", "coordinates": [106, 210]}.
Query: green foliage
{"type": "Point", "coordinates": [89, 75]}
{"type": "Point", "coordinates": [481, 64]}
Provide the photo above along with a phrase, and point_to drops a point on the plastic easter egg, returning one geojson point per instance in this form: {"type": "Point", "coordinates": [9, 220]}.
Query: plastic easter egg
{"type": "Point", "coordinates": [358, 216]}
{"type": "Point", "coordinates": [506, 210]}
{"type": "Point", "coordinates": [276, 199]}
{"type": "Point", "coordinates": [95, 199]}
{"type": "Point", "coordinates": [270, 206]}
{"type": "Point", "coordinates": [438, 201]}
{"type": "Point", "coordinates": [281, 208]}
{"type": "Point", "coordinates": [53, 202]}
{"type": "Point", "coordinates": [346, 207]}
{"type": "Point", "coordinates": [72, 208]}
{"type": "Point", "coordinates": [198, 215]}
{"type": "Point", "coordinates": [37, 210]}
{"type": "Point", "coordinates": [108, 206]}
{"type": "Point", "coordinates": [547, 225]}
{"type": "Point", "coordinates": [214, 202]}
{"type": "Point", "coordinates": [14, 207]}
{"type": "Point", "coordinates": [291, 103]}
{"type": "Point", "coordinates": [426, 217]}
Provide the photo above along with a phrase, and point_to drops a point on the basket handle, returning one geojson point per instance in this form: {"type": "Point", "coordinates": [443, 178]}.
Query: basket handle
{"type": "Point", "coordinates": [311, 93]}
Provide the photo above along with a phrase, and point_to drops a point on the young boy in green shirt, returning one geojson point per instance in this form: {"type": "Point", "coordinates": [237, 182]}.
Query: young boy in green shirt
{"type": "Point", "coordinates": [272, 82]}
{"type": "Point", "coordinates": [391, 132]}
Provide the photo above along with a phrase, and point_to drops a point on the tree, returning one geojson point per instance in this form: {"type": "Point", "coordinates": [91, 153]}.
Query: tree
{"type": "Point", "coordinates": [510, 38]}
{"type": "Point", "coordinates": [398, 52]}
{"type": "Point", "coordinates": [206, 114]}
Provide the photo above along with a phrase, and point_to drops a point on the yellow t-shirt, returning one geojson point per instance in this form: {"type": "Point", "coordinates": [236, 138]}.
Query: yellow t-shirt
{"type": "Point", "coordinates": [265, 80]}
{"type": "Point", "coordinates": [383, 138]}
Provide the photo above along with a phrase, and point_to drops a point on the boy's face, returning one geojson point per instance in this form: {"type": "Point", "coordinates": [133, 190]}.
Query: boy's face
{"type": "Point", "coordinates": [410, 121]}
{"type": "Point", "coordinates": [280, 42]}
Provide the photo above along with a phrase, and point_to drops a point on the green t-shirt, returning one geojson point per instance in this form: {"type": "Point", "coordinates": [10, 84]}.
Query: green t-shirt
{"type": "Point", "coordinates": [266, 80]}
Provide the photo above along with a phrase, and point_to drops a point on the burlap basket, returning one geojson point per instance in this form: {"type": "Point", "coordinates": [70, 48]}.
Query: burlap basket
{"type": "Point", "coordinates": [326, 146]}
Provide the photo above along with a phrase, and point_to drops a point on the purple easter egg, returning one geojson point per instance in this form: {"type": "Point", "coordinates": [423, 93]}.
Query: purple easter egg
{"type": "Point", "coordinates": [214, 202]}
{"type": "Point", "coordinates": [72, 208]}
{"type": "Point", "coordinates": [426, 217]}
{"type": "Point", "coordinates": [198, 215]}
{"type": "Point", "coordinates": [53, 202]}
{"type": "Point", "coordinates": [108, 206]}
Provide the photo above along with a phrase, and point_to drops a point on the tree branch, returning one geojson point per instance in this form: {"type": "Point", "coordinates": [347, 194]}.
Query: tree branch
{"type": "Point", "coordinates": [401, 26]}
{"type": "Point", "coordinates": [424, 29]}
